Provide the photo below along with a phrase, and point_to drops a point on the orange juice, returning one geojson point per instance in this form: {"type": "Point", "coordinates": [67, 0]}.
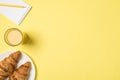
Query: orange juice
{"type": "Point", "coordinates": [14, 37]}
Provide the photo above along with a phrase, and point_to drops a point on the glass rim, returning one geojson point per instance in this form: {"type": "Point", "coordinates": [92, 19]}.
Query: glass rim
{"type": "Point", "coordinates": [6, 35]}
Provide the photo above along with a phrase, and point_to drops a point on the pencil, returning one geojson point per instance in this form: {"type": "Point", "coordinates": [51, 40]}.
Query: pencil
{"type": "Point", "coordinates": [10, 5]}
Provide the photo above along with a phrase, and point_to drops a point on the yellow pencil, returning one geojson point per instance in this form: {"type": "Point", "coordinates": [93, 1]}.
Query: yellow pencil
{"type": "Point", "coordinates": [10, 5]}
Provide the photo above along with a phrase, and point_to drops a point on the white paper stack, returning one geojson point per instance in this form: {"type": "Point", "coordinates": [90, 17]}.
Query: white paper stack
{"type": "Point", "coordinates": [13, 13]}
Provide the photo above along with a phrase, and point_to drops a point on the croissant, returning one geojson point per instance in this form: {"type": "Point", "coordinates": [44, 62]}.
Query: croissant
{"type": "Point", "coordinates": [22, 72]}
{"type": "Point", "coordinates": [8, 65]}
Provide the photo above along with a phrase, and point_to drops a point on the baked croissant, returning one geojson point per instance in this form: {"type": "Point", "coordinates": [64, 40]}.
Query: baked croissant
{"type": "Point", "coordinates": [22, 72]}
{"type": "Point", "coordinates": [8, 65]}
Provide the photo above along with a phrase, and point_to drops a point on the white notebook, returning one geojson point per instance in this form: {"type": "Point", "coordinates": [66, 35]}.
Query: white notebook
{"type": "Point", "coordinates": [14, 14]}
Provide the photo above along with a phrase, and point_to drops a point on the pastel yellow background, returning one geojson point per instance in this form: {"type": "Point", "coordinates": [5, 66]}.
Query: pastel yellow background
{"type": "Point", "coordinates": [71, 39]}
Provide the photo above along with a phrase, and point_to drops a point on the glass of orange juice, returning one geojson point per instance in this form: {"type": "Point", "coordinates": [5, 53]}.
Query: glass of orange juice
{"type": "Point", "coordinates": [15, 37]}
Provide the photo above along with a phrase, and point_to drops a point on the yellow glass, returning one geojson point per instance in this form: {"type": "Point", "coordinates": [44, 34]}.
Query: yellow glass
{"type": "Point", "coordinates": [22, 34]}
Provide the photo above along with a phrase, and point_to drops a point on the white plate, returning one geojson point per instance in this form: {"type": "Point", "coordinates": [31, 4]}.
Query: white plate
{"type": "Point", "coordinates": [23, 59]}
